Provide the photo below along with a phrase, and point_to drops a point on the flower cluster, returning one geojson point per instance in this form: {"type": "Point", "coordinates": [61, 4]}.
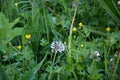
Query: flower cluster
{"type": "Point", "coordinates": [74, 29]}
{"type": "Point", "coordinates": [57, 46]}
{"type": "Point", "coordinates": [95, 55]}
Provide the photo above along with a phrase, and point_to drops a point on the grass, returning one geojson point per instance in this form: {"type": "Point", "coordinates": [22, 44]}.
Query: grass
{"type": "Point", "coordinates": [91, 52]}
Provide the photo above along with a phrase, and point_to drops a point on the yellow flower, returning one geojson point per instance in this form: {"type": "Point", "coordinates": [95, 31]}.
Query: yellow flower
{"type": "Point", "coordinates": [27, 36]}
{"type": "Point", "coordinates": [16, 4]}
{"type": "Point", "coordinates": [19, 47]}
{"type": "Point", "coordinates": [81, 45]}
{"type": "Point", "coordinates": [80, 24]}
{"type": "Point", "coordinates": [74, 29]}
{"type": "Point", "coordinates": [108, 29]}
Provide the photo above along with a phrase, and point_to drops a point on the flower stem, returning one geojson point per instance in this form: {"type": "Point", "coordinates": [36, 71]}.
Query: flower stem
{"type": "Point", "coordinates": [75, 75]}
{"type": "Point", "coordinates": [70, 34]}
{"type": "Point", "coordinates": [54, 58]}
{"type": "Point", "coordinates": [116, 66]}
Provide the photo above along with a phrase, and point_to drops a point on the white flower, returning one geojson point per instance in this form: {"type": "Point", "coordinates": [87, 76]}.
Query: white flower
{"type": "Point", "coordinates": [111, 59]}
{"type": "Point", "coordinates": [116, 54]}
{"type": "Point", "coordinates": [95, 55]}
{"type": "Point", "coordinates": [118, 3]}
{"type": "Point", "coordinates": [57, 46]}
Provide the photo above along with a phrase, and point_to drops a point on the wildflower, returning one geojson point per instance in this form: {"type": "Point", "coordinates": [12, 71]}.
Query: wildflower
{"type": "Point", "coordinates": [5, 58]}
{"type": "Point", "coordinates": [16, 4]}
{"type": "Point", "coordinates": [111, 59]}
{"type": "Point", "coordinates": [82, 45]}
{"type": "Point", "coordinates": [95, 55]}
{"type": "Point", "coordinates": [28, 36]}
{"type": "Point", "coordinates": [19, 47]}
{"type": "Point", "coordinates": [119, 3]}
{"type": "Point", "coordinates": [22, 14]}
{"type": "Point", "coordinates": [116, 54]}
{"type": "Point", "coordinates": [74, 29]}
{"type": "Point", "coordinates": [108, 29]}
{"type": "Point", "coordinates": [80, 24]}
{"type": "Point", "coordinates": [57, 46]}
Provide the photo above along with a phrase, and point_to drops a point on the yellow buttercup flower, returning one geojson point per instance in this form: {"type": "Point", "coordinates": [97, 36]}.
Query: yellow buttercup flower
{"type": "Point", "coordinates": [81, 45]}
{"type": "Point", "coordinates": [74, 29]}
{"type": "Point", "coordinates": [80, 24]}
{"type": "Point", "coordinates": [19, 47]}
{"type": "Point", "coordinates": [16, 4]}
{"type": "Point", "coordinates": [27, 36]}
{"type": "Point", "coordinates": [108, 29]}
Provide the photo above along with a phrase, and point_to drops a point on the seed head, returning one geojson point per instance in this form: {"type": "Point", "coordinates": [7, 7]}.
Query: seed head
{"type": "Point", "coordinates": [57, 46]}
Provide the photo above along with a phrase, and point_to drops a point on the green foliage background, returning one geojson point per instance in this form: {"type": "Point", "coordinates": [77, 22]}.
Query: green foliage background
{"type": "Point", "coordinates": [50, 20]}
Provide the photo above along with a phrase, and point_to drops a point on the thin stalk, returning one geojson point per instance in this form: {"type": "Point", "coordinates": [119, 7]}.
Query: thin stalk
{"type": "Point", "coordinates": [106, 70]}
{"type": "Point", "coordinates": [70, 34]}
{"type": "Point", "coordinates": [45, 22]}
{"type": "Point", "coordinates": [116, 66]}
{"type": "Point", "coordinates": [92, 69]}
{"type": "Point", "coordinates": [75, 75]}
{"type": "Point", "coordinates": [109, 49]}
{"type": "Point", "coordinates": [106, 61]}
{"type": "Point", "coordinates": [50, 75]}
{"type": "Point", "coordinates": [58, 77]}
{"type": "Point", "coordinates": [23, 65]}
{"type": "Point", "coordinates": [98, 32]}
{"type": "Point", "coordinates": [92, 66]}
{"type": "Point", "coordinates": [54, 57]}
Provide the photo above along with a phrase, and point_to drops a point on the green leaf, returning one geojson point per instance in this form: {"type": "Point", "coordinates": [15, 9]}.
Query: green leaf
{"type": "Point", "coordinates": [12, 33]}
{"type": "Point", "coordinates": [118, 35]}
{"type": "Point", "coordinates": [43, 76]}
{"type": "Point", "coordinates": [6, 31]}
{"type": "Point", "coordinates": [86, 31]}
{"type": "Point", "coordinates": [3, 48]}
{"type": "Point", "coordinates": [2, 73]}
{"type": "Point", "coordinates": [31, 74]}
{"type": "Point", "coordinates": [70, 68]}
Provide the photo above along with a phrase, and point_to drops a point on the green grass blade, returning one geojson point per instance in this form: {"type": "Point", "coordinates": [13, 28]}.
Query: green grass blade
{"type": "Point", "coordinates": [106, 5]}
